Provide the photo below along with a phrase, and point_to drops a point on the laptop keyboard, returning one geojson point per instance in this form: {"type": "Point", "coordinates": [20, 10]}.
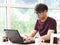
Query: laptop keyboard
{"type": "Point", "coordinates": [27, 41]}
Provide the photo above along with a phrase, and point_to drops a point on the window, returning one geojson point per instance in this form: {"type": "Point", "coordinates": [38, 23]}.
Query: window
{"type": "Point", "coordinates": [52, 3]}
{"type": "Point", "coordinates": [25, 2]}
{"type": "Point", "coordinates": [19, 14]}
{"type": "Point", "coordinates": [2, 19]}
{"type": "Point", "coordinates": [2, 1]}
{"type": "Point", "coordinates": [22, 19]}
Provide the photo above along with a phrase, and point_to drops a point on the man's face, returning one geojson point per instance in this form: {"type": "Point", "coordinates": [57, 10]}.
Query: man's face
{"type": "Point", "coordinates": [41, 15]}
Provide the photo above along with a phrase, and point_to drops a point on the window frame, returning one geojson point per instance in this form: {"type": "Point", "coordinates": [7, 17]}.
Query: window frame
{"type": "Point", "coordinates": [8, 5]}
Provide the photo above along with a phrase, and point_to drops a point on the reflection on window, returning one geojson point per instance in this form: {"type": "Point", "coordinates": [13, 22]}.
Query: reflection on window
{"type": "Point", "coordinates": [22, 19]}
{"type": "Point", "coordinates": [2, 19]}
{"type": "Point", "coordinates": [29, 2]}
{"type": "Point", "coordinates": [2, 1]}
{"type": "Point", "coordinates": [52, 2]}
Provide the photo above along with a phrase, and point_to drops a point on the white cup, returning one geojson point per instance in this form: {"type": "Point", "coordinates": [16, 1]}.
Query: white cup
{"type": "Point", "coordinates": [39, 41]}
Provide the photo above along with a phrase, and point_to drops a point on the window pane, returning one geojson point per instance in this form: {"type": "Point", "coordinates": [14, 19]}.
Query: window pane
{"type": "Point", "coordinates": [29, 2]}
{"type": "Point", "coordinates": [2, 19]}
{"type": "Point", "coordinates": [58, 26]}
{"type": "Point", "coordinates": [22, 19]}
{"type": "Point", "coordinates": [2, 1]}
{"type": "Point", "coordinates": [56, 15]}
{"type": "Point", "coordinates": [52, 2]}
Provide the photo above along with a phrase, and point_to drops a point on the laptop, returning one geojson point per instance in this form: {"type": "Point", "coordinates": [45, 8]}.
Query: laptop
{"type": "Point", "coordinates": [14, 36]}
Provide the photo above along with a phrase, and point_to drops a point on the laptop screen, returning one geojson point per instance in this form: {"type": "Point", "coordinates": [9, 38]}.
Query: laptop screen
{"type": "Point", "coordinates": [13, 35]}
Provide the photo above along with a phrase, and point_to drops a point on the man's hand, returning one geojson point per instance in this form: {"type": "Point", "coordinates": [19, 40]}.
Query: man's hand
{"type": "Point", "coordinates": [25, 37]}
{"type": "Point", "coordinates": [30, 38]}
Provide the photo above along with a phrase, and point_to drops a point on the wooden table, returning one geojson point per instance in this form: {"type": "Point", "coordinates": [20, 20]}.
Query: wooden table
{"type": "Point", "coordinates": [9, 43]}
{"type": "Point", "coordinates": [37, 44]}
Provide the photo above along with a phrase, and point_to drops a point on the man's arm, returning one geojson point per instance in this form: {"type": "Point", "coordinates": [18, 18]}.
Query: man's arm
{"type": "Point", "coordinates": [31, 36]}
{"type": "Point", "coordinates": [48, 35]}
{"type": "Point", "coordinates": [33, 33]}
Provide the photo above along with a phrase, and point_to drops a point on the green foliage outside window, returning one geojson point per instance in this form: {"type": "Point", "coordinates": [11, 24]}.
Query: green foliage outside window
{"type": "Point", "coordinates": [23, 24]}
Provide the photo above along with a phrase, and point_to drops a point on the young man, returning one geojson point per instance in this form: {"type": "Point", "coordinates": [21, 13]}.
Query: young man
{"type": "Point", "coordinates": [44, 25]}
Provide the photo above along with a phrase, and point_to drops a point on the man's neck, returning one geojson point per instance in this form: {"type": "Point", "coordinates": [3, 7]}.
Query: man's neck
{"type": "Point", "coordinates": [44, 19]}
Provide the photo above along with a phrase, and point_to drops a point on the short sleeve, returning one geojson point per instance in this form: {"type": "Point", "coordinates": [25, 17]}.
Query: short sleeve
{"type": "Point", "coordinates": [53, 25]}
{"type": "Point", "coordinates": [36, 26]}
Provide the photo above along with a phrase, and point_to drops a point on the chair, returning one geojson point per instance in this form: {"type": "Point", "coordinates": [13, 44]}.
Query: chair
{"type": "Point", "coordinates": [52, 37]}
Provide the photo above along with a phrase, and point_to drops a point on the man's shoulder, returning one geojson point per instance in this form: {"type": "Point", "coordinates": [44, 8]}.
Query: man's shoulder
{"type": "Point", "coordinates": [51, 19]}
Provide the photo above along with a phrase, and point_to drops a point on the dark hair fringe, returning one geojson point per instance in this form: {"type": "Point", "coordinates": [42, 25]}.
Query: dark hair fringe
{"type": "Point", "coordinates": [40, 8]}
